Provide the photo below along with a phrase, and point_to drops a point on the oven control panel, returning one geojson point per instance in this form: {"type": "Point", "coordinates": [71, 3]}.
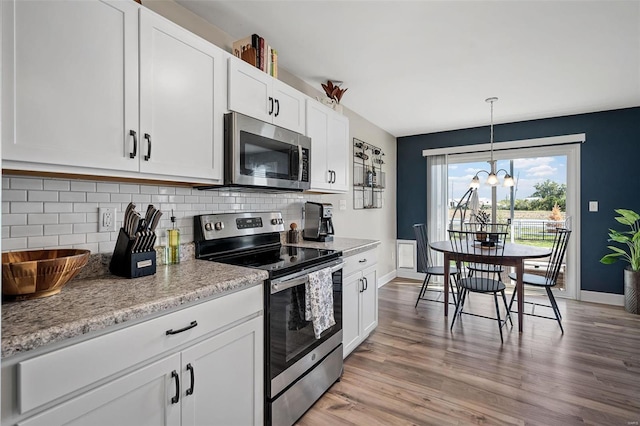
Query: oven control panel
{"type": "Point", "coordinates": [249, 222]}
{"type": "Point", "coordinates": [225, 225]}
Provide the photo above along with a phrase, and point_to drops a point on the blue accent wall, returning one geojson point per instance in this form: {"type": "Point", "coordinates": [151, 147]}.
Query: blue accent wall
{"type": "Point", "coordinates": [609, 167]}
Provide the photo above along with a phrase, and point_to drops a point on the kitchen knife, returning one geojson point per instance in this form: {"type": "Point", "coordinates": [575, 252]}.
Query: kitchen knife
{"type": "Point", "coordinates": [148, 217]}
{"type": "Point", "coordinates": [155, 220]}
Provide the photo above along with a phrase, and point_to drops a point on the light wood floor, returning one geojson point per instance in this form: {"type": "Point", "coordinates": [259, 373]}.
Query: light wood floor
{"type": "Point", "coordinates": [413, 370]}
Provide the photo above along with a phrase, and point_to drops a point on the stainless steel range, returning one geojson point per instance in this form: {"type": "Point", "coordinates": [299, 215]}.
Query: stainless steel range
{"type": "Point", "coordinates": [298, 367]}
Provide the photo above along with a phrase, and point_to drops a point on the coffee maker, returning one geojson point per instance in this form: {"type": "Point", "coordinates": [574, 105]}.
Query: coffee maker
{"type": "Point", "coordinates": [318, 225]}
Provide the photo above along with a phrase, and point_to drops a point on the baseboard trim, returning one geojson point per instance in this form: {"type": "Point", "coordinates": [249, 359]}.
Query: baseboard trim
{"type": "Point", "coordinates": [604, 298]}
{"type": "Point", "coordinates": [387, 278]}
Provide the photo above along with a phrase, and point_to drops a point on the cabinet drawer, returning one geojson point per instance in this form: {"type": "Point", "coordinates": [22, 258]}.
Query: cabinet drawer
{"type": "Point", "coordinates": [44, 378]}
{"type": "Point", "coordinates": [359, 261]}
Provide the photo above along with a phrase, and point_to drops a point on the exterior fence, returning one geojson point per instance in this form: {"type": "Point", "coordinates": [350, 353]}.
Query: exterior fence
{"type": "Point", "coordinates": [531, 229]}
{"type": "Point", "coordinates": [538, 230]}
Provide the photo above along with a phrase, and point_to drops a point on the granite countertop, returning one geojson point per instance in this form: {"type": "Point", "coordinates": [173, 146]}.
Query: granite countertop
{"type": "Point", "coordinates": [88, 305]}
{"type": "Point", "coordinates": [348, 246]}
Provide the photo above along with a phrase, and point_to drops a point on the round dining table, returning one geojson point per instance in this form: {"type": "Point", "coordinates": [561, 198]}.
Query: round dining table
{"type": "Point", "coordinates": [514, 255]}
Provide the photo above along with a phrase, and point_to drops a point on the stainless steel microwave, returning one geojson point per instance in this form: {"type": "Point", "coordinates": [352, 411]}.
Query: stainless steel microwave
{"type": "Point", "coordinates": [262, 155]}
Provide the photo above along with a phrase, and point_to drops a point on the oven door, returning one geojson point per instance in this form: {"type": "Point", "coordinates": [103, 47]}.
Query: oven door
{"type": "Point", "coordinates": [290, 335]}
{"type": "Point", "coordinates": [261, 154]}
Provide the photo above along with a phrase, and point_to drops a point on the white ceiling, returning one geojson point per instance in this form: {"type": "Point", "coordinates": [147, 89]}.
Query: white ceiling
{"type": "Point", "coordinates": [416, 67]}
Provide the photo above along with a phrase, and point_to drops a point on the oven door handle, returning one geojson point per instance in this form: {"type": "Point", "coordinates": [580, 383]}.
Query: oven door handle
{"type": "Point", "coordinates": [284, 284]}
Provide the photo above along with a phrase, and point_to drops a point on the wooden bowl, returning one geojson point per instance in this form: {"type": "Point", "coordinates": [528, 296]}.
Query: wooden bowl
{"type": "Point", "coordinates": [39, 273]}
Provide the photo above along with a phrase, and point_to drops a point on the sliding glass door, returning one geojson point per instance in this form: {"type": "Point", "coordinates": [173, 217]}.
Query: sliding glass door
{"type": "Point", "coordinates": [544, 198]}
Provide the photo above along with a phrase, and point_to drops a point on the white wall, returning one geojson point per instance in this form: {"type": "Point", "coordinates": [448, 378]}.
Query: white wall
{"type": "Point", "coordinates": [377, 224]}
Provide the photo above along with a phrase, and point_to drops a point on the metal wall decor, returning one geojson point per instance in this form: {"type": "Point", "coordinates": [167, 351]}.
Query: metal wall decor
{"type": "Point", "coordinates": [368, 177]}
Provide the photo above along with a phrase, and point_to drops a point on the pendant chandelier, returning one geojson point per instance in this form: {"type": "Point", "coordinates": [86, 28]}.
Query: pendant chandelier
{"type": "Point", "coordinates": [492, 178]}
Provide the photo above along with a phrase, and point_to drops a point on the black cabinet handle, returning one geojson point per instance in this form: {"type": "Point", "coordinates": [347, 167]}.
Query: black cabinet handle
{"type": "Point", "coordinates": [277, 107]}
{"type": "Point", "coordinates": [366, 284]}
{"type": "Point", "coordinates": [135, 144]}
{"type": "Point", "coordinates": [362, 260]}
{"type": "Point", "coordinates": [189, 327]}
{"type": "Point", "coordinates": [333, 178]}
{"type": "Point", "coordinates": [361, 287]}
{"type": "Point", "coordinates": [176, 376]}
{"type": "Point", "coordinates": [193, 379]}
{"type": "Point", "coordinates": [270, 105]}
{"type": "Point", "coordinates": [147, 136]}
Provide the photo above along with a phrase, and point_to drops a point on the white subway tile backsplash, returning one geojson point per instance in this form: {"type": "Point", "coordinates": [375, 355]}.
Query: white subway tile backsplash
{"type": "Point", "coordinates": [26, 231]}
{"type": "Point", "coordinates": [146, 189]}
{"type": "Point", "coordinates": [26, 207]}
{"type": "Point", "coordinates": [140, 198]}
{"type": "Point", "coordinates": [108, 187]}
{"type": "Point", "coordinates": [47, 213]}
{"type": "Point", "coordinates": [85, 228]}
{"type": "Point", "coordinates": [43, 196]}
{"type": "Point", "coordinates": [84, 207]}
{"type": "Point", "coordinates": [121, 198]}
{"type": "Point", "coordinates": [98, 197]}
{"type": "Point", "coordinates": [50, 241]}
{"type": "Point", "coordinates": [14, 195]}
{"type": "Point", "coordinates": [56, 185]}
{"type": "Point", "coordinates": [71, 239]}
{"type": "Point", "coordinates": [73, 197]}
{"type": "Point", "coordinates": [98, 237]}
{"type": "Point", "coordinates": [26, 183]}
{"type": "Point", "coordinates": [58, 207]}
{"type": "Point", "coordinates": [83, 186]}
{"type": "Point", "coordinates": [42, 218]}
{"type": "Point", "coordinates": [74, 218]}
{"type": "Point", "coordinates": [66, 228]}
{"type": "Point", "coordinates": [129, 189]}
{"type": "Point", "coordinates": [9, 219]}
{"type": "Point", "coordinates": [9, 244]}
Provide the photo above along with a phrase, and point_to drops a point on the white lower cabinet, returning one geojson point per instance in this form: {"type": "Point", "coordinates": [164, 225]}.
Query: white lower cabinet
{"type": "Point", "coordinates": [228, 372]}
{"type": "Point", "coordinates": [196, 366]}
{"type": "Point", "coordinates": [139, 398]}
{"type": "Point", "coordinates": [359, 299]}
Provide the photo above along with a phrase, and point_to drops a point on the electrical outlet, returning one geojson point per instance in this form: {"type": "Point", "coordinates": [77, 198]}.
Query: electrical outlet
{"type": "Point", "coordinates": [106, 219]}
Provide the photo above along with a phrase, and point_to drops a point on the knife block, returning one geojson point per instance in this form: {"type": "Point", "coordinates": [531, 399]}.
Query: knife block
{"type": "Point", "coordinates": [126, 264]}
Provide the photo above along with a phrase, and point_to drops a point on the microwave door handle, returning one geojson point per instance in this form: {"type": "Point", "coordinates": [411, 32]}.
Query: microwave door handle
{"type": "Point", "coordinates": [299, 163]}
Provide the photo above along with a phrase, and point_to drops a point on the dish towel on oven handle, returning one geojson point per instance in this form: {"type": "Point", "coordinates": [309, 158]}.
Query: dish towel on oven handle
{"type": "Point", "coordinates": [319, 301]}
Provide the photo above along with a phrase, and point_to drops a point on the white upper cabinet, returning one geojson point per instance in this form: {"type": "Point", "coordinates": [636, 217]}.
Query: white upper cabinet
{"type": "Point", "coordinates": [70, 82]}
{"type": "Point", "coordinates": [109, 88]}
{"type": "Point", "coordinates": [329, 133]}
{"type": "Point", "coordinates": [254, 93]}
{"type": "Point", "coordinates": [182, 98]}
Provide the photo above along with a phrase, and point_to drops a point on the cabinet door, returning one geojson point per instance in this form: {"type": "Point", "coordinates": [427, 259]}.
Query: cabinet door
{"type": "Point", "coordinates": [338, 151]}
{"type": "Point", "coordinates": [369, 304]}
{"type": "Point", "coordinates": [317, 125]}
{"type": "Point", "coordinates": [70, 82]}
{"type": "Point", "coordinates": [181, 101]}
{"type": "Point", "coordinates": [228, 377]}
{"type": "Point", "coordinates": [249, 91]}
{"type": "Point", "coordinates": [289, 108]}
{"type": "Point", "coordinates": [351, 312]}
{"type": "Point", "coordinates": [139, 398]}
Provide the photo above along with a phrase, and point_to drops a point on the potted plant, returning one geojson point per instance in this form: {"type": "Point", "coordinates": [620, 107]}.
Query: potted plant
{"type": "Point", "coordinates": [482, 218]}
{"type": "Point", "coordinates": [630, 239]}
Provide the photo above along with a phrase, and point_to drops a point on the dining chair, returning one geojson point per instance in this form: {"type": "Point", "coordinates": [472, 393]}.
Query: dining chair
{"type": "Point", "coordinates": [486, 231]}
{"type": "Point", "coordinates": [425, 266]}
{"type": "Point", "coordinates": [480, 280]}
{"type": "Point", "coordinates": [549, 279]}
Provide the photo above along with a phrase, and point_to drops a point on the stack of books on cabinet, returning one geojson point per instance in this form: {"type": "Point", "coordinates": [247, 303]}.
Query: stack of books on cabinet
{"type": "Point", "coordinates": [256, 51]}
